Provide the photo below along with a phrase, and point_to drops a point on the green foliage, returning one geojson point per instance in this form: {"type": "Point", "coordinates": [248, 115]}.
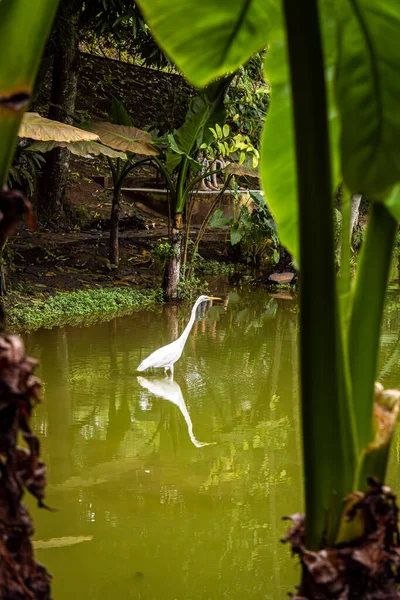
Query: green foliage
{"type": "Point", "coordinates": [218, 220]}
{"type": "Point", "coordinates": [300, 169]}
{"type": "Point", "coordinates": [234, 32]}
{"type": "Point", "coordinates": [205, 110]}
{"type": "Point", "coordinates": [260, 239]}
{"type": "Point", "coordinates": [116, 29]}
{"type": "Point", "coordinates": [369, 112]}
{"type": "Point", "coordinates": [83, 307]}
{"type": "Point", "coordinates": [215, 268]}
{"type": "Point", "coordinates": [235, 146]}
{"type": "Point", "coordinates": [247, 100]}
{"type": "Point", "coordinates": [119, 114]}
{"type": "Point", "coordinates": [24, 170]}
{"type": "Point", "coordinates": [278, 157]}
{"type": "Point", "coordinates": [163, 250]}
{"type": "Point", "coordinates": [278, 152]}
{"type": "Point", "coordinates": [255, 230]}
{"type": "Point", "coordinates": [190, 286]}
{"type": "Point", "coordinates": [23, 30]}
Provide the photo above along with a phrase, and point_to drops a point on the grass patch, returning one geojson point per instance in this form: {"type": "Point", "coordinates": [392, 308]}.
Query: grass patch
{"type": "Point", "coordinates": [77, 308]}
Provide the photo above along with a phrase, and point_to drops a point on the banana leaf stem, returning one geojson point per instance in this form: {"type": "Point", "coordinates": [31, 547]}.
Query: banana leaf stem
{"type": "Point", "coordinates": [366, 314]}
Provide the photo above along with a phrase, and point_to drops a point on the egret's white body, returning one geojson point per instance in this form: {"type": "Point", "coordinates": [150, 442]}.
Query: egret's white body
{"type": "Point", "coordinates": [171, 391]}
{"type": "Point", "coordinates": [167, 356]}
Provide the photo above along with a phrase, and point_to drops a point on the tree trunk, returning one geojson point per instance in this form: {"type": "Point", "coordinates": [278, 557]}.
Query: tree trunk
{"type": "Point", "coordinates": [355, 211]}
{"type": "Point", "coordinates": [52, 188]}
{"type": "Point", "coordinates": [172, 273]}
{"type": "Point", "coordinates": [114, 227]}
{"type": "Point", "coordinates": [3, 287]}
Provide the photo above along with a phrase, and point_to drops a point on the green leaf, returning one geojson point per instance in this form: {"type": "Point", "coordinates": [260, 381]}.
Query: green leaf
{"type": "Point", "coordinates": [205, 111]}
{"type": "Point", "coordinates": [218, 129]}
{"type": "Point", "coordinates": [237, 234]}
{"type": "Point", "coordinates": [244, 216]}
{"type": "Point", "coordinates": [218, 220]}
{"type": "Point", "coordinates": [209, 38]}
{"type": "Point", "coordinates": [277, 164]}
{"type": "Point", "coordinates": [226, 130]}
{"type": "Point", "coordinates": [173, 145]}
{"type": "Point", "coordinates": [368, 90]}
{"type": "Point", "coordinates": [24, 27]}
{"type": "Point", "coordinates": [119, 114]}
{"type": "Point", "coordinates": [258, 199]}
{"type": "Point", "coordinates": [366, 314]}
{"type": "Point", "coordinates": [392, 202]}
{"type": "Point", "coordinates": [278, 161]}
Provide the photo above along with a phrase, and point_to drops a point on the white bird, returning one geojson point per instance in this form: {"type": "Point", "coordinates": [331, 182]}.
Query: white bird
{"type": "Point", "coordinates": [167, 356]}
{"type": "Point", "coordinates": [171, 391]}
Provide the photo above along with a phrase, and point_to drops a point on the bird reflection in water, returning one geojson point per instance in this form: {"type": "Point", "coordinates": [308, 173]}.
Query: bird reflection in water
{"type": "Point", "coordinates": [169, 390]}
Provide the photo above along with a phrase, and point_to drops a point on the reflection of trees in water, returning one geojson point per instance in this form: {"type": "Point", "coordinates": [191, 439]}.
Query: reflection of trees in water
{"type": "Point", "coordinates": [119, 416]}
{"type": "Point", "coordinates": [57, 417]}
{"type": "Point", "coordinates": [222, 503]}
{"type": "Point", "coordinates": [258, 459]}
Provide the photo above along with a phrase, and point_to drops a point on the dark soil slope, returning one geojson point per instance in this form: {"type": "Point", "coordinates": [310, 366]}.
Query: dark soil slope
{"type": "Point", "coordinates": [154, 99]}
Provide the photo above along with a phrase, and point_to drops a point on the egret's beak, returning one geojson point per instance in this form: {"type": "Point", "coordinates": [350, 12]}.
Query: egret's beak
{"type": "Point", "coordinates": [214, 298]}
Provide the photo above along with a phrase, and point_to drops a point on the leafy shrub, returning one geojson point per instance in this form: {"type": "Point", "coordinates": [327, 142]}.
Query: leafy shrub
{"type": "Point", "coordinates": [255, 231]}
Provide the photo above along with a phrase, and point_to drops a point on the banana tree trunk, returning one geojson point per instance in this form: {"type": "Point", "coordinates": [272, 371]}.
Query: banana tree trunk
{"type": "Point", "coordinates": [172, 272]}
{"type": "Point", "coordinates": [114, 227]}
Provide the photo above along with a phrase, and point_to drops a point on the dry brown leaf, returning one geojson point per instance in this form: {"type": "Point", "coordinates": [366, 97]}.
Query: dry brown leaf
{"type": "Point", "coordinates": [36, 127]}
{"type": "Point", "coordinates": [124, 138]}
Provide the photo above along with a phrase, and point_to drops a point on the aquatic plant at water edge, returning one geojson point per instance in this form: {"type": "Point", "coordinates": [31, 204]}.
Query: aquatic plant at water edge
{"type": "Point", "coordinates": [82, 307]}
{"type": "Point", "coordinates": [320, 130]}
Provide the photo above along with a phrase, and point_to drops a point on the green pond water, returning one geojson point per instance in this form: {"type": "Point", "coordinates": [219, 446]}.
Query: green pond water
{"type": "Point", "coordinates": [175, 490]}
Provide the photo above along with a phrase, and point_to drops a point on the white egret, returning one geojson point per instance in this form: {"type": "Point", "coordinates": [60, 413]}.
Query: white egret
{"type": "Point", "coordinates": [171, 391]}
{"type": "Point", "coordinates": [167, 356]}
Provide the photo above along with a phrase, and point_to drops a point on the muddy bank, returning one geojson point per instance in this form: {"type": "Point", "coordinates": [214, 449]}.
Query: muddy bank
{"type": "Point", "coordinates": [54, 278]}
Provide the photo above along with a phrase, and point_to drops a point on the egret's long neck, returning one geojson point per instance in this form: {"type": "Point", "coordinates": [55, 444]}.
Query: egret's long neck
{"type": "Point", "coordinates": [189, 326]}
{"type": "Point", "coordinates": [183, 408]}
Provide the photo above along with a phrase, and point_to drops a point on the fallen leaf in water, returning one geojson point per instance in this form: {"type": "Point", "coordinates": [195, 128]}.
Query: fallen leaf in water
{"type": "Point", "coordinates": [61, 542]}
